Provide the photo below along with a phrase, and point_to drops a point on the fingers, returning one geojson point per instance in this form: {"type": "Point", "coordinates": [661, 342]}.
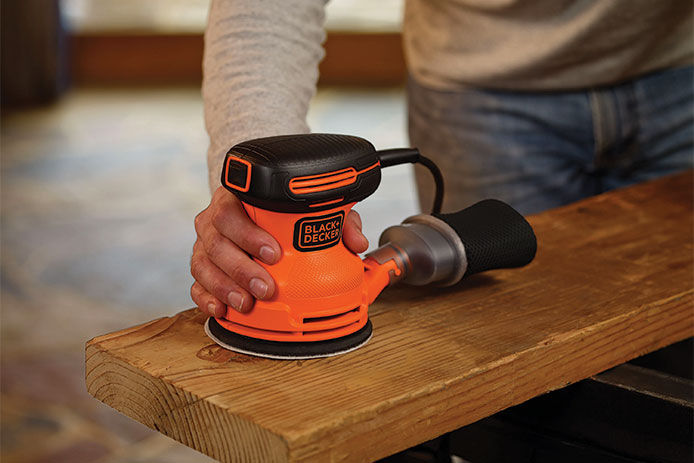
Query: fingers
{"type": "Point", "coordinates": [215, 284]}
{"type": "Point", "coordinates": [231, 221]}
{"type": "Point", "coordinates": [207, 303]}
{"type": "Point", "coordinates": [223, 271]}
{"type": "Point", "coordinates": [225, 236]}
{"type": "Point", "coordinates": [352, 236]}
{"type": "Point", "coordinates": [235, 263]}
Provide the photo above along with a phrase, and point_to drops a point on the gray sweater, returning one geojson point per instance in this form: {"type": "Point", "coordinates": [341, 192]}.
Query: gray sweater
{"type": "Point", "coordinates": [261, 56]}
{"type": "Point", "coordinates": [260, 71]}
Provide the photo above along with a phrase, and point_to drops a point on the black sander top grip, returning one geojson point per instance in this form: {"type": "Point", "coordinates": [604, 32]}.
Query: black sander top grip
{"type": "Point", "coordinates": [494, 235]}
{"type": "Point", "coordinates": [303, 172]}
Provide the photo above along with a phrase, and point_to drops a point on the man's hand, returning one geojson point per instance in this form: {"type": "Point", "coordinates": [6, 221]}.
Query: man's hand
{"type": "Point", "coordinates": [224, 272]}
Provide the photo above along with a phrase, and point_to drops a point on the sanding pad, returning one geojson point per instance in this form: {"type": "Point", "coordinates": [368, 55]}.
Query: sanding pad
{"type": "Point", "coordinates": [286, 350]}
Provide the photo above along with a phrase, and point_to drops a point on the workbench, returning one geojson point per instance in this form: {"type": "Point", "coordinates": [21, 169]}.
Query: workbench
{"type": "Point", "coordinates": [612, 280]}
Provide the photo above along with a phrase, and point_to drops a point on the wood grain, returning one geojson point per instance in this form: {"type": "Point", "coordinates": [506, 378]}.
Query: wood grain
{"type": "Point", "coordinates": [612, 280]}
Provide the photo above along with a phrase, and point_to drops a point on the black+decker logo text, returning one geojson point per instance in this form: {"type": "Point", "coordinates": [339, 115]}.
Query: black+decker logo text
{"type": "Point", "coordinates": [314, 233]}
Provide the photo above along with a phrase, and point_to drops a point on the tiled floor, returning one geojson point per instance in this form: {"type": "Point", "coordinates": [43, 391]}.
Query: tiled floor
{"type": "Point", "coordinates": [98, 197]}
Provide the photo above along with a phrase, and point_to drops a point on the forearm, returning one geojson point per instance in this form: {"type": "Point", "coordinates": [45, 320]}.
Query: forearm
{"type": "Point", "coordinates": [260, 70]}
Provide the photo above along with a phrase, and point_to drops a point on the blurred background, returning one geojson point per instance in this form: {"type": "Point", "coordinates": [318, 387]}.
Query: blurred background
{"type": "Point", "coordinates": [102, 170]}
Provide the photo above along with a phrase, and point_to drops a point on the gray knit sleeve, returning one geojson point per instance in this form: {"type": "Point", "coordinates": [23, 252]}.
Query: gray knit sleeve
{"type": "Point", "coordinates": [260, 69]}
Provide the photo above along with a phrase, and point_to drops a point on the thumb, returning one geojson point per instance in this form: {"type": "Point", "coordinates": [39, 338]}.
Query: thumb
{"type": "Point", "coordinates": [352, 236]}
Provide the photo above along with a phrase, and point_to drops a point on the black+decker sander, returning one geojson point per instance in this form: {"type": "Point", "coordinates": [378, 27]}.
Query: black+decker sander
{"type": "Point", "coordinates": [300, 188]}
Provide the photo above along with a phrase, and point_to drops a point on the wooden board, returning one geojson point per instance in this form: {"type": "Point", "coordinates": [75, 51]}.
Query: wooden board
{"type": "Point", "coordinates": [612, 280]}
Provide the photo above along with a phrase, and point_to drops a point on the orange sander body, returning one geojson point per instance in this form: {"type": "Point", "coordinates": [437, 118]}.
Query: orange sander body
{"type": "Point", "coordinates": [300, 189]}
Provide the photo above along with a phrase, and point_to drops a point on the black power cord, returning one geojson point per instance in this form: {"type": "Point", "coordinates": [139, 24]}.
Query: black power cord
{"type": "Point", "coordinates": [397, 156]}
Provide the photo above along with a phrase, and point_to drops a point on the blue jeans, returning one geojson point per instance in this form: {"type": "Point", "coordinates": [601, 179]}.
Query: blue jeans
{"type": "Point", "coordinates": [538, 150]}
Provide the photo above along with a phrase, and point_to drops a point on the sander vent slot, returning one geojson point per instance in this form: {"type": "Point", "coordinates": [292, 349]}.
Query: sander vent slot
{"type": "Point", "coordinates": [330, 317]}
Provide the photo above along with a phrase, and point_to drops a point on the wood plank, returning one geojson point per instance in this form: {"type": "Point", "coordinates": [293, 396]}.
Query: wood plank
{"type": "Point", "coordinates": [373, 59]}
{"type": "Point", "coordinates": [612, 280]}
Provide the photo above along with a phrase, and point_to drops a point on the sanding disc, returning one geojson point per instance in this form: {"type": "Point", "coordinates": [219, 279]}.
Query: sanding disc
{"type": "Point", "coordinates": [286, 350]}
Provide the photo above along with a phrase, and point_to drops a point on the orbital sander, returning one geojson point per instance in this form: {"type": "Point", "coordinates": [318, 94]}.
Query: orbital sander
{"type": "Point", "coordinates": [300, 188]}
